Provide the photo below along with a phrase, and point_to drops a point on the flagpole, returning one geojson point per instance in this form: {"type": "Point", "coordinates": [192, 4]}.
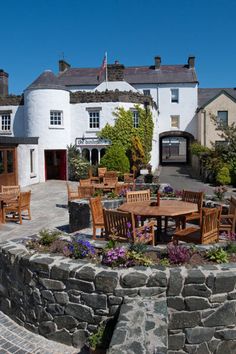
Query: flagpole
{"type": "Point", "coordinates": [106, 76]}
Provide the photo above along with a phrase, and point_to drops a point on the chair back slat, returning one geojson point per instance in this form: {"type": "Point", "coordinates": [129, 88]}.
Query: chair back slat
{"type": "Point", "coordinates": [85, 182]}
{"type": "Point", "coordinates": [116, 223]}
{"type": "Point", "coordinates": [109, 174]}
{"type": "Point", "coordinates": [110, 180]}
{"type": "Point", "coordinates": [71, 193]}
{"type": "Point", "coordinates": [11, 189]}
{"type": "Point", "coordinates": [24, 200]}
{"type": "Point", "coordinates": [138, 196]}
{"type": "Point", "coordinates": [86, 191]}
{"type": "Point", "coordinates": [129, 178]}
{"type": "Point", "coordinates": [96, 209]}
{"type": "Point", "coordinates": [193, 197]}
{"type": "Point", "coordinates": [210, 225]}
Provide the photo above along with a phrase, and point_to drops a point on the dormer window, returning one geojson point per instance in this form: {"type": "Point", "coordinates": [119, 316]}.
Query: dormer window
{"type": "Point", "coordinates": [174, 95]}
{"type": "Point", "coordinates": [5, 122]}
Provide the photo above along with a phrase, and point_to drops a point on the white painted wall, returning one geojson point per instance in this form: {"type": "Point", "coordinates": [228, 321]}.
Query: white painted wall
{"type": "Point", "coordinates": [186, 108]}
{"type": "Point", "coordinates": [38, 104]}
{"type": "Point", "coordinates": [25, 177]}
{"type": "Point", "coordinates": [152, 87]}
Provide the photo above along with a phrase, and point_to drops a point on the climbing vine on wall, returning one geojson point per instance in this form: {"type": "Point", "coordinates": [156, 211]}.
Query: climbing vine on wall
{"type": "Point", "coordinates": [123, 130]}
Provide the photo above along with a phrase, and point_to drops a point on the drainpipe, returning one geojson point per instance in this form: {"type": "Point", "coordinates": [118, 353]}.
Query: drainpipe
{"type": "Point", "coordinates": [204, 127]}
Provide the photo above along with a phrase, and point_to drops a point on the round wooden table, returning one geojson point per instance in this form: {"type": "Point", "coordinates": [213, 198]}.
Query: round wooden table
{"type": "Point", "coordinates": [177, 209]}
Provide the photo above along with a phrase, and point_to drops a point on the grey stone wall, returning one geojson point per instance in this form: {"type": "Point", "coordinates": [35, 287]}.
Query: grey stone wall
{"type": "Point", "coordinates": [65, 300]}
{"type": "Point", "coordinates": [109, 96]}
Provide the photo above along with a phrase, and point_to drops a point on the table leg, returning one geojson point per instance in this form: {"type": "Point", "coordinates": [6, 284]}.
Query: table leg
{"type": "Point", "coordinates": [158, 232]}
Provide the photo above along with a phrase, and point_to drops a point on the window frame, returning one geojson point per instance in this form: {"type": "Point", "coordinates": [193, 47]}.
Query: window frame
{"type": "Point", "coordinates": [172, 117]}
{"type": "Point", "coordinates": [135, 118]}
{"type": "Point", "coordinates": [220, 122]}
{"type": "Point", "coordinates": [172, 99]}
{"type": "Point", "coordinates": [5, 122]}
{"type": "Point", "coordinates": [146, 92]}
{"type": "Point", "coordinates": [53, 125]}
{"type": "Point", "coordinates": [94, 123]}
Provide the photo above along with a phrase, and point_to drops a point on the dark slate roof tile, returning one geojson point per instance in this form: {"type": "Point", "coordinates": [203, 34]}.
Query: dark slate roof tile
{"type": "Point", "coordinates": [206, 95]}
{"type": "Point", "coordinates": [133, 75]}
{"type": "Point", "coordinates": [47, 80]}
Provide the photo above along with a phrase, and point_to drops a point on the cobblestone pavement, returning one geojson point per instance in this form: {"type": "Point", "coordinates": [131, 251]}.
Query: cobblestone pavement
{"type": "Point", "coordinates": [16, 339]}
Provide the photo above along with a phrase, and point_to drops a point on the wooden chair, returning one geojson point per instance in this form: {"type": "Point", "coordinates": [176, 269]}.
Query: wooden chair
{"type": "Point", "coordinates": [101, 173]}
{"type": "Point", "coordinates": [72, 193]}
{"type": "Point", "coordinates": [228, 221]}
{"type": "Point", "coordinates": [10, 189]}
{"type": "Point", "coordinates": [121, 188]}
{"type": "Point", "coordinates": [138, 196]}
{"type": "Point", "coordinates": [85, 182]}
{"type": "Point", "coordinates": [128, 178]}
{"type": "Point", "coordinates": [86, 191]}
{"type": "Point", "coordinates": [110, 180]}
{"type": "Point", "coordinates": [16, 206]}
{"type": "Point", "coordinates": [109, 174]}
{"type": "Point", "coordinates": [92, 178]}
{"type": "Point", "coordinates": [97, 216]}
{"type": "Point", "coordinates": [191, 197]}
{"type": "Point", "coordinates": [121, 226]}
{"type": "Point", "coordinates": [208, 231]}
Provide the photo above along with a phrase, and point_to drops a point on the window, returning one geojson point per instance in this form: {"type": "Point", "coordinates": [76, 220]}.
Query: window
{"type": "Point", "coordinates": [222, 118]}
{"type": "Point", "coordinates": [5, 123]}
{"type": "Point", "coordinates": [32, 153]}
{"type": "Point", "coordinates": [135, 119]}
{"type": "Point", "coordinates": [174, 122]}
{"type": "Point", "coordinates": [56, 118]}
{"type": "Point", "coordinates": [174, 95]}
{"type": "Point", "coordinates": [146, 92]}
{"type": "Point", "coordinates": [94, 119]}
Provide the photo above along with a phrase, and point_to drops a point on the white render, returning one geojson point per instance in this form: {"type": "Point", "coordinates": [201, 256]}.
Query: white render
{"type": "Point", "coordinates": [27, 178]}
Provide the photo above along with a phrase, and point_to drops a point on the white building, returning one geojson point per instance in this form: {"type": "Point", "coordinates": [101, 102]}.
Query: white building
{"type": "Point", "coordinates": [71, 107]}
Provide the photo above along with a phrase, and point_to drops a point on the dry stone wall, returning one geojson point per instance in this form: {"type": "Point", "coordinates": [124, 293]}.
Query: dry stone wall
{"type": "Point", "coordinates": [65, 300]}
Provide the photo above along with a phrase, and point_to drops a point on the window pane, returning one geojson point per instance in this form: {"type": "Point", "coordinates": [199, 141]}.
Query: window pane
{"type": "Point", "coordinates": [56, 118]}
{"type": "Point", "coordinates": [6, 123]}
{"type": "Point", "coordinates": [175, 95]}
{"type": "Point", "coordinates": [174, 121]}
{"type": "Point", "coordinates": [94, 119]}
{"type": "Point", "coordinates": [222, 117]}
{"type": "Point", "coordinates": [135, 119]}
{"type": "Point", "coordinates": [9, 161]}
{"type": "Point", "coordinates": [146, 92]}
{"type": "Point", "coordinates": [1, 162]}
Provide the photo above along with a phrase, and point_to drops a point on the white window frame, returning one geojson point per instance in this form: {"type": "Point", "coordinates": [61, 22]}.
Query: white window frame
{"type": "Point", "coordinates": [32, 163]}
{"type": "Point", "coordinates": [6, 123]}
{"type": "Point", "coordinates": [94, 119]}
{"type": "Point", "coordinates": [135, 118]}
{"type": "Point", "coordinates": [56, 119]}
{"type": "Point", "coordinates": [177, 118]}
{"type": "Point", "coordinates": [174, 95]}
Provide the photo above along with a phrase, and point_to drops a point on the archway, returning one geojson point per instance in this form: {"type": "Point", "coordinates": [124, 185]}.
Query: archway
{"type": "Point", "coordinates": [174, 147]}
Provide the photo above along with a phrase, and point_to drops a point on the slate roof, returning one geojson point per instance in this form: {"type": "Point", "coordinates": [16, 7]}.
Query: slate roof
{"type": "Point", "coordinates": [12, 100]}
{"type": "Point", "coordinates": [133, 75]}
{"type": "Point", "coordinates": [206, 95]}
{"type": "Point", "coordinates": [47, 80]}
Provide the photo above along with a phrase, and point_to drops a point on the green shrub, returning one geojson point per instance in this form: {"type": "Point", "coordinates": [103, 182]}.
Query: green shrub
{"type": "Point", "coordinates": [47, 237]}
{"type": "Point", "coordinates": [115, 159]}
{"type": "Point", "coordinates": [80, 168]}
{"type": "Point", "coordinates": [197, 149]}
{"type": "Point", "coordinates": [223, 176]}
{"type": "Point", "coordinates": [95, 340]}
{"type": "Point", "coordinates": [218, 255]}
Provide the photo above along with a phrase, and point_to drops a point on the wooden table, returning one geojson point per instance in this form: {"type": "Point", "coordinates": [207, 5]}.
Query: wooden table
{"type": "Point", "coordinates": [177, 209]}
{"type": "Point", "coordinates": [106, 187]}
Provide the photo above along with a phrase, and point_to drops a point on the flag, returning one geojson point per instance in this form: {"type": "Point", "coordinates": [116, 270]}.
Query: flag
{"type": "Point", "coordinates": [103, 66]}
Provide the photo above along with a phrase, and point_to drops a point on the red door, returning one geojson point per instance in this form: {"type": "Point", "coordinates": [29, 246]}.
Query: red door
{"type": "Point", "coordinates": [55, 164]}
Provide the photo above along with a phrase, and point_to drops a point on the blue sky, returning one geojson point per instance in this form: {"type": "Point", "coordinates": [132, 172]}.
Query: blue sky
{"type": "Point", "coordinates": [34, 34]}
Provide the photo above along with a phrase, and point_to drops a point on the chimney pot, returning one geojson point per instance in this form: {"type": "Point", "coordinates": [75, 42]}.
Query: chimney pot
{"type": "Point", "coordinates": [3, 83]}
{"type": "Point", "coordinates": [157, 62]}
{"type": "Point", "coordinates": [63, 65]}
{"type": "Point", "coordinates": [191, 61]}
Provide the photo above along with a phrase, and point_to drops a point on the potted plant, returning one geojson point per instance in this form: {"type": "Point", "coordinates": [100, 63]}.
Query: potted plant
{"type": "Point", "coordinates": [95, 341]}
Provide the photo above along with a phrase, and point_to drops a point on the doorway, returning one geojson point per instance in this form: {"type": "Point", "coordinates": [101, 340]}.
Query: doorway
{"type": "Point", "coordinates": [8, 166]}
{"type": "Point", "coordinates": [55, 164]}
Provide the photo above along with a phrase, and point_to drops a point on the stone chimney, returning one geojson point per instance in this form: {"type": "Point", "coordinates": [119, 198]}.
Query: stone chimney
{"type": "Point", "coordinates": [63, 65]}
{"type": "Point", "coordinates": [191, 62]}
{"type": "Point", "coordinates": [157, 62]}
{"type": "Point", "coordinates": [3, 83]}
{"type": "Point", "coordinates": [115, 72]}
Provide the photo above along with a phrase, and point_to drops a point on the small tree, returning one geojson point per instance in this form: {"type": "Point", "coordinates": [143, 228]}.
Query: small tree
{"type": "Point", "coordinates": [223, 176]}
{"type": "Point", "coordinates": [78, 167]}
{"type": "Point", "coordinates": [116, 159]}
{"type": "Point", "coordinates": [137, 154]}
